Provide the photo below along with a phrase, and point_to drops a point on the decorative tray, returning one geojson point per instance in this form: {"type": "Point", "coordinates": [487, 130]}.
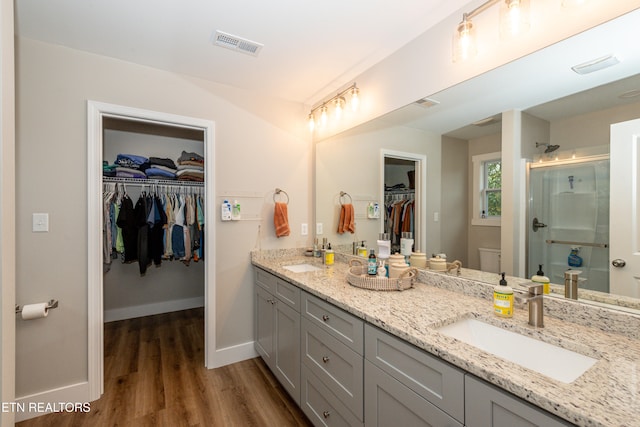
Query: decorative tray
{"type": "Point", "coordinates": [358, 277]}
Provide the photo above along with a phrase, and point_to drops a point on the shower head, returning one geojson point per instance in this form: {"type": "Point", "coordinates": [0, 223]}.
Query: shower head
{"type": "Point", "coordinates": [549, 148]}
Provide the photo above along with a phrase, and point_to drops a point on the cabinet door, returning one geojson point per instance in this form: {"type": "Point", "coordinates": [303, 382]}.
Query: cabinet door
{"type": "Point", "coordinates": [287, 348]}
{"type": "Point", "coordinates": [488, 406]}
{"type": "Point", "coordinates": [263, 324]}
{"type": "Point", "coordinates": [389, 403]}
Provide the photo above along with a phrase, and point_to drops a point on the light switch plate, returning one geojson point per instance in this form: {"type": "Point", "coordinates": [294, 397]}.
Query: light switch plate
{"type": "Point", "coordinates": [319, 228]}
{"type": "Point", "coordinates": [305, 229]}
{"type": "Point", "coordinates": [40, 222]}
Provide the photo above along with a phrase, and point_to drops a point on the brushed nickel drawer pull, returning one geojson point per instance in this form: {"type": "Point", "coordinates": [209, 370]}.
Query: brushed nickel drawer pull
{"type": "Point", "coordinates": [325, 317]}
{"type": "Point", "coordinates": [326, 414]}
{"type": "Point", "coordinates": [325, 359]}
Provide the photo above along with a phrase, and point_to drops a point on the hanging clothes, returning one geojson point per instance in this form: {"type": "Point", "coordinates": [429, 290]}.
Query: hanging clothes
{"type": "Point", "coordinates": [161, 225]}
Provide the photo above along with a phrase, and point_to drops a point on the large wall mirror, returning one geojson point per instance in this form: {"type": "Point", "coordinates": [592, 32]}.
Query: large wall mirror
{"type": "Point", "coordinates": [562, 117]}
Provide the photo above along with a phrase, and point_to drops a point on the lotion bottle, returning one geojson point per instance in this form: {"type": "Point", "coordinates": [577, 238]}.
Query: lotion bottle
{"type": "Point", "coordinates": [235, 211]}
{"type": "Point", "coordinates": [226, 211]}
{"type": "Point", "coordinates": [503, 299]}
{"type": "Point", "coordinates": [372, 264]}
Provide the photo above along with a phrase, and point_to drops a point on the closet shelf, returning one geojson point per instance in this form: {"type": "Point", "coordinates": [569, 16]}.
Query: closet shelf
{"type": "Point", "coordinates": [140, 181]}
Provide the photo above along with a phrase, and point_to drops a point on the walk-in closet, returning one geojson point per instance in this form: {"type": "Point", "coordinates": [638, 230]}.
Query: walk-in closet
{"type": "Point", "coordinates": [153, 219]}
{"type": "Point", "coordinates": [399, 199]}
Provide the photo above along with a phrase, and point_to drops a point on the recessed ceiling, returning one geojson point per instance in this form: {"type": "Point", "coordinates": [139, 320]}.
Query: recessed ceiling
{"type": "Point", "coordinates": [310, 48]}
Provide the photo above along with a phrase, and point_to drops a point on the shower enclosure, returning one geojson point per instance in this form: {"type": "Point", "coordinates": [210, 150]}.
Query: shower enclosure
{"type": "Point", "coordinates": [568, 220]}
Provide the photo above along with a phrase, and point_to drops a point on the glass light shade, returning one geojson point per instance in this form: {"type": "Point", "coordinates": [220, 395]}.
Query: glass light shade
{"type": "Point", "coordinates": [312, 122]}
{"type": "Point", "coordinates": [355, 99]}
{"type": "Point", "coordinates": [514, 18]}
{"type": "Point", "coordinates": [464, 41]}
{"type": "Point", "coordinates": [339, 104]}
{"type": "Point", "coordinates": [323, 116]}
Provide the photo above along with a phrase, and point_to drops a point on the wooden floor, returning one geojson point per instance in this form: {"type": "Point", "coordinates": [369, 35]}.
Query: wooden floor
{"type": "Point", "coordinates": [154, 375]}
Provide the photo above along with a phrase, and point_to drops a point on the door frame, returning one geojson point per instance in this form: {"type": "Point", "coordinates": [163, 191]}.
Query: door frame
{"type": "Point", "coordinates": [95, 310]}
{"type": "Point", "coordinates": [420, 234]}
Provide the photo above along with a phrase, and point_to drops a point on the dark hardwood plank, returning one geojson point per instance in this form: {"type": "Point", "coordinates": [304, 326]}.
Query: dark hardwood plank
{"type": "Point", "coordinates": [155, 376]}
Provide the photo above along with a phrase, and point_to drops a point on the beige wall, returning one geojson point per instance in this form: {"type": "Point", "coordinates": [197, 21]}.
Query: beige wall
{"type": "Point", "coordinates": [351, 162]}
{"type": "Point", "coordinates": [260, 145]}
{"type": "Point", "coordinates": [454, 222]}
{"type": "Point", "coordinates": [7, 214]}
{"type": "Point", "coordinates": [480, 236]}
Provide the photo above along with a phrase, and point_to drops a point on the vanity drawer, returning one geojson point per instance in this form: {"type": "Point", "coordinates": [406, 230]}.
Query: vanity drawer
{"type": "Point", "coordinates": [429, 377]}
{"type": "Point", "coordinates": [343, 326]}
{"type": "Point", "coordinates": [283, 290]}
{"type": "Point", "coordinates": [266, 280]}
{"type": "Point", "coordinates": [338, 367]}
{"type": "Point", "coordinates": [321, 406]}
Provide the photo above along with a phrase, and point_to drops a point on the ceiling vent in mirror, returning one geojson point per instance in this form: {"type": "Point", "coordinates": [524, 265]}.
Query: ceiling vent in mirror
{"type": "Point", "coordinates": [427, 102]}
{"type": "Point", "coordinates": [236, 43]}
{"type": "Point", "coordinates": [488, 121]}
{"type": "Point", "coordinates": [596, 64]}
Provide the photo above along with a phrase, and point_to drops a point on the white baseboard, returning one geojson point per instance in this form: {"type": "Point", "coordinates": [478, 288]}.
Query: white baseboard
{"type": "Point", "coordinates": [151, 309]}
{"type": "Point", "coordinates": [34, 405]}
{"type": "Point", "coordinates": [233, 354]}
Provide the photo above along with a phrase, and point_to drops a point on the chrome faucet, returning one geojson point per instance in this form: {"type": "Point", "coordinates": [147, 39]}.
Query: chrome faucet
{"type": "Point", "coordinates": [535, 301]}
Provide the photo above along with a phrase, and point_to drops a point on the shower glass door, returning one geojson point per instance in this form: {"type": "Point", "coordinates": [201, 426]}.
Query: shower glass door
{"type": "Point", "coordinates": [568, 221]}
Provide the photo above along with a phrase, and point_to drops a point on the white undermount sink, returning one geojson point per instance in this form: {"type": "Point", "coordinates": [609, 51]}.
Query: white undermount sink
{"type": "Point", "coordinates": [301, 268]}
{"type": "Point", "coordinates": [547, 359]}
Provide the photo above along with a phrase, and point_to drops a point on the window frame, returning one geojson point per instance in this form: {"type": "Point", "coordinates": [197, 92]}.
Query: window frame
{"type": "Point", "coordinates": [480, 190]}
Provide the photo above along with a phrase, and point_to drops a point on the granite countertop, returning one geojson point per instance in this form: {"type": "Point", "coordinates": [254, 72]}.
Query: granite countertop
{"type": "Point", "coordinates": [608, 394]}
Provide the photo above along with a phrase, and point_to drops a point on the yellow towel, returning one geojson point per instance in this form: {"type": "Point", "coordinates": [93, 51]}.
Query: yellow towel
{"type": "Point", "coordinates": [347, 219]}
{"type": "Point", "coordinates": [281, 220]}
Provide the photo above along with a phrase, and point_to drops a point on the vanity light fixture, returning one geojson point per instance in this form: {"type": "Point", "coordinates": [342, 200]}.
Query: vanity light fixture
{"type": "Point", "coordinates": [338, 102]}
{"type": "Point", "coordinates": [514, 20]}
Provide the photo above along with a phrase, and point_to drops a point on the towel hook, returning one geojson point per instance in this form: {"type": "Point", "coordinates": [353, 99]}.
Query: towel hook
{"type": "Point", "coordinates": [343, 194]}
{"type": "Point", "coordinates": [278, 191]}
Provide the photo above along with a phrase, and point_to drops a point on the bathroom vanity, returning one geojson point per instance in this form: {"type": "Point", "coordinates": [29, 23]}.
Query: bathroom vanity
{"type": "Point", "coordinates": [350, 356]}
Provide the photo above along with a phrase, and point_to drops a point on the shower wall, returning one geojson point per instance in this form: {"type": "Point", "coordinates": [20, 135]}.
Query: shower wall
{"type": "Point", "coordinates": [572, 200]}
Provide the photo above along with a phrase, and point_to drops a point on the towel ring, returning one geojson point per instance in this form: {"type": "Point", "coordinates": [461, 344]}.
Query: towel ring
{"type": "Point", "coordinates": [343, 194]}
{"type": "Point", "coordinates": [278, 191]}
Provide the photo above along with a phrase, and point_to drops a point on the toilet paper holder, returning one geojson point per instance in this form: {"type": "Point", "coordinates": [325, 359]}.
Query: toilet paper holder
{"type": "Point", "coordinates": [53, 303]}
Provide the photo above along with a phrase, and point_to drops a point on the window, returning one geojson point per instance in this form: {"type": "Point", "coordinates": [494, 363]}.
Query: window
{"type": "Point", "coordinates": [487, 184]}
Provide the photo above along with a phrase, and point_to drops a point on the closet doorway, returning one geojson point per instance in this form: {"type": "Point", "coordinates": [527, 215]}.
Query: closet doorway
{"type": "Point", "coordinates": [105, 121]}
{"type": "Point", "coordinates": [403, 183]}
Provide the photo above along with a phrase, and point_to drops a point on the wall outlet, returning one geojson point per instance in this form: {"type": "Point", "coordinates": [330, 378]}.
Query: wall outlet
{"type": "Point", "coordinates": [319, 229]}
{"type": "Point", "coordinates": [304, 230]}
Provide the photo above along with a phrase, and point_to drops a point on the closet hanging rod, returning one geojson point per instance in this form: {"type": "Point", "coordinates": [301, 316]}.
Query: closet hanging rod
{"type": "Point", "coordinates": [139, 181]}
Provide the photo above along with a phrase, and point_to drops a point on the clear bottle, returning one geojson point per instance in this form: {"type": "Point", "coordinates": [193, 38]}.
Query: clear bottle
{"type": "Point", "coordinates": [235, 210]}
{"type": "Point", "coordinates": [372, 264]}
{"type": "Point", "coordinates": [503, 299]}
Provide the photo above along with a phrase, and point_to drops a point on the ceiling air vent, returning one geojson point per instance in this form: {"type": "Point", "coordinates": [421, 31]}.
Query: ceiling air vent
{"type": "Point", "coordinates": [236, 43]}
{"type": "Point", "coordinates": [427, 102]}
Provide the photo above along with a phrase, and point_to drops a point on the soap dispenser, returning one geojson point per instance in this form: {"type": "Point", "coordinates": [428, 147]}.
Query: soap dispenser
{"type": "Point", "coordinates": [503, 299]}
{"type": "Point", "coordinates": [541, 278]}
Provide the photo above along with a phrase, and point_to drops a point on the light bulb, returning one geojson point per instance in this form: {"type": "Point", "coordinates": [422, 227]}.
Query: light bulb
{"type": "Point", "coordinates": [323, 116]}
{"type": "Point", "coordinates": [514, 18]}
{"type": "Point", "coordinates": [312, 122]}
{"type": "Point", "coordinates": [464, 41]}
{"type": "Point", "coordinates": [339, 103]}
{"type": "Point", "coordinates": [355, 99]}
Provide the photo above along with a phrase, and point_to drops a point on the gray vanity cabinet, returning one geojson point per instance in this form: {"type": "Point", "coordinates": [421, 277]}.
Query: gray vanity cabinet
{"type": "Point", "coordinates": [277, 329]}
{"type": "Point", "coordinates": [488, 406]}
{"type": "Point", "coordinates": [408, 385]}
{"type": "Point", "coordinates": [332, 364]}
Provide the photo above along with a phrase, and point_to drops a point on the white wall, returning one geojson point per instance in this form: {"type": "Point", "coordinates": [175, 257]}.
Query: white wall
{"type": "Point", "coordinates": [7, 214]}
{"type": "Point", "coordinates": [260, 145]}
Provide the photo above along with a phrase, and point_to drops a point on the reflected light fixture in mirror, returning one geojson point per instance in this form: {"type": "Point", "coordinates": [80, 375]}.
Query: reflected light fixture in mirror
{"type": "Point", "coordinates": [514, 18]}
{"type": "Point", "coordinates": [338, 102]}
